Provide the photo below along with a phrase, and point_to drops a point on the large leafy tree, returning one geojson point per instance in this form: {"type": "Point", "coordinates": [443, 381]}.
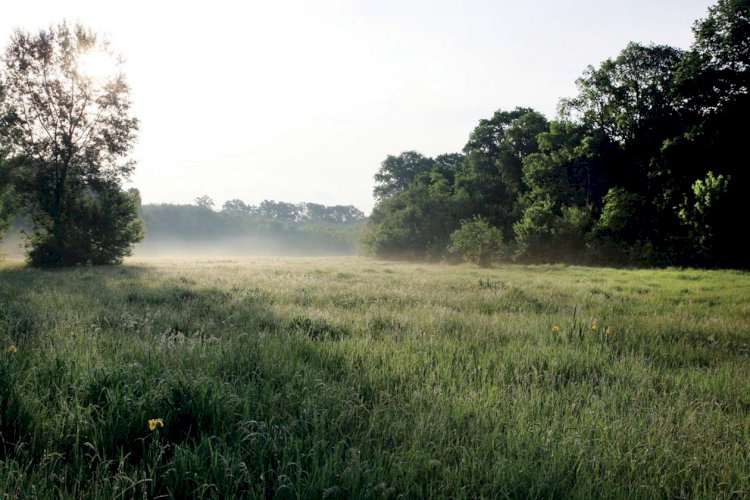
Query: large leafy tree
{"type": "Point", "coordinates": [626, 96]}
{"type": "Point", "coordinates": [716, 73]}
{"type": "Point", "coordinates": [493, 170]}
{"type": "Point", "coordinates": [397, 172]}
{"type": "Point", "coordinates": [713, 82]}
{"type": "Point", "coordinates": [416, 222]}
{"type": "Point", "coordinates": [563, 180]}
{"type": "Point", "coordinates": [645, 165]}
{"type": "Point", "coordinates": [629, 99]}
{"type": "Point", "coordinates": [68, 131]}
{"type": "Point", "coordinates": [628, 107]}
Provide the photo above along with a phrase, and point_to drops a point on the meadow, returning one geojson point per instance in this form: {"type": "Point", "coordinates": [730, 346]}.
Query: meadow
{"type": "Point", "coordinates": [349, 377]}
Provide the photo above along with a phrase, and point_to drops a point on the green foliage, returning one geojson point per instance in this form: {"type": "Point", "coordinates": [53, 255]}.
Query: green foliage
{"type": "Point", "coordinates": [628, 96]}
{"type": "Point", "coordinates": [279, 210]}
{"type": "Point", "coordinates": [300, 212]}
{"type": "Point", "coordinates": [619, 213]}
{"type": "Point", "coordinates": [561, 181]}
{"type": "Point", "coordinates": [415, 223]}
{"type": "Point", "coordinates": [709, 216]}
{"type": "Point", "coordinates": [67, 135]}
{"type": "Point", "coordinates": [552, 232]}
{"type": "Point", "coordinates": [397, 172]}
{"type": "Point", "coordinates": [422, 200]}
{"type": "Point", "coordinates": [4, 215]}
{"type": "Point", "coordinates": [713, 82]}
{"type": "Point", "coordinates": [96, 227]}
{"type": "Point", "coordinates": [620, 235]}
{"type": "Point", "coordinates": [493, 170]}
{"type": "Point", "coordinates": [601, 183]}
{"type": "Point", "coordinates": [717, 74]}
{"type": "Point", "coordinates": [6, 199]}
{"type": "Point", "coordinates": [358, 378]}
{"type": "Point", "coordinates": [478, 242]}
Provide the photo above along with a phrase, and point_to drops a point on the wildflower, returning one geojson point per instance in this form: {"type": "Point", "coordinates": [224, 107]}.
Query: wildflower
{"type": "Point", "coordinates": [12, 349]}
{"type": "Point", "coordinates": [555, 328]}
{"type": "Point", "coordinates": [608, 331]}
{"type": "Point", "coordinates": [154, 423]}
{"type": "Point", "coordinates": [594, 327]}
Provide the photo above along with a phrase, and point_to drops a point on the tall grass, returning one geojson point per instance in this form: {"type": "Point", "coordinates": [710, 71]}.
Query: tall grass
{"type": "Point", "coordinates": [357, 378]}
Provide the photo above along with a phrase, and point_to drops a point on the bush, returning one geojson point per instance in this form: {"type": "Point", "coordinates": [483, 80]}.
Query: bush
{"type": "Point", "coordinates": [617, 236]}
{"type": "Point", "coordinates": [709, 213]}
{"type": "Point", "coordinates": [478, 242]}
{"type": "Point", "coordinates": [552, 233]}
{"type": "Point", "coordinates": [99, 227]}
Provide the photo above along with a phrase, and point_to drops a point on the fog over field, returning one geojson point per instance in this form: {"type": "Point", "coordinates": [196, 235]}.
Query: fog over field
{"type": "Point", "coordinates": [228, 247]}
{"type": "Point", "coordinates": [264, 246]}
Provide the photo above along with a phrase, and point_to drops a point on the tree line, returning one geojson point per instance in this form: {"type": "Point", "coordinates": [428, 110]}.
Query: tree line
{"type": "Point", "coordinates": [646, 165]}
{"type": "Point", "coordinates": [289, 212]}
{"type": "Point", "coordinates": [272, 226]}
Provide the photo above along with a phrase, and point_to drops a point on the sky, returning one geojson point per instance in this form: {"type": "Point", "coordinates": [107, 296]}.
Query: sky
{"type": "Point", "coordinates": [302, 100]}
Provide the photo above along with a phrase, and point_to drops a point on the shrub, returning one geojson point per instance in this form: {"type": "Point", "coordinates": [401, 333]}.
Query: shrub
{"type": "Point", "coordinates": [477, 241]}
{"type": "Point", "coordinates": [100, 227]}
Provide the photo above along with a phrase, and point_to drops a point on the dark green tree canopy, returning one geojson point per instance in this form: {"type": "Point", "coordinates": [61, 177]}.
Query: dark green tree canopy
{"type": "Point", "coordinates": [722, 45]}
{"type": "Point", "coordinates": [397, 172]}
{"type": "Point", "coordinates": [624, 96]}
{"type": "Point", "coordinates": [493, 169]}
{"type": "Point", "coordinates": [646, 164]}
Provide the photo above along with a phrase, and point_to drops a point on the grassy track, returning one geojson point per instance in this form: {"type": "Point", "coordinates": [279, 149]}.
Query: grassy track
{"type": "Point", "coordinates": [350, 377]}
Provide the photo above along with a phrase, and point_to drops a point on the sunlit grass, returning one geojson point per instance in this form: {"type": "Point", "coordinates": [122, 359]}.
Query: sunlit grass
{"type": "Point", "coordinates": [353, 377]}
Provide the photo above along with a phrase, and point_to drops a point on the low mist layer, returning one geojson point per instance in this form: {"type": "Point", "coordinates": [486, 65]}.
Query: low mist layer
{"type": "Point", "coordinates": [239, 246]}
{"type": "Point", "coordinates": [200, 231]}
{"type": "Point", "coordinates": [197, 230]}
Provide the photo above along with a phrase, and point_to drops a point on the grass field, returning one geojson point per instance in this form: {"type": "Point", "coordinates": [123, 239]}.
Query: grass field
{"type": "Point", "coordinates": [357, 378]}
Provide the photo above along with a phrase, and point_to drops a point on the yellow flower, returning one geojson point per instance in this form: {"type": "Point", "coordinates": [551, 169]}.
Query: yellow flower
{"type": "Point", "coordinates": [12, 349]}
{"type": "Point", "coordinates": [555, 328]}
{"type": "Point", "coordinates": [594, 327]}
{"type": "Point", "coordinates": [154, 422]}
{"type": "Point", "coordinates": [608, 331]}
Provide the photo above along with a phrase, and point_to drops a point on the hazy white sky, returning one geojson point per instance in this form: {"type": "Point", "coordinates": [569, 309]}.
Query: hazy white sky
{"type": "Point", "coordinates": [301, 100]}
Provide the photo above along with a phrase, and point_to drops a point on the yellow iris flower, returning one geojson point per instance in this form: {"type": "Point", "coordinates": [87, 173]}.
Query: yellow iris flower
{"type": "Point", "coordinates": [154, 423]}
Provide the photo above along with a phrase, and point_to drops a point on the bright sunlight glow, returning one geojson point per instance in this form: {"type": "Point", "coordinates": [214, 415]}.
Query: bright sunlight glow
{"type": "Point", "coordinates": [301, 101]}
{"type": "Point", "coordinates": [98, 65]}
